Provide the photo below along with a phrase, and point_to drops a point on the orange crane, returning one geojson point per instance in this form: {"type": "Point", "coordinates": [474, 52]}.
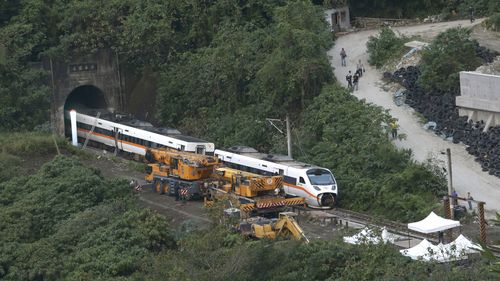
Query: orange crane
{"type": "Point", "coordinates": [257, 194]}
{"type": "Point", "coordinates": [177, 172]}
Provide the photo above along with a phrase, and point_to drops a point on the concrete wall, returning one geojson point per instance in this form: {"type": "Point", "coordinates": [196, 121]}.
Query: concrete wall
{"type": "Point", "coordinates": [479, 97]}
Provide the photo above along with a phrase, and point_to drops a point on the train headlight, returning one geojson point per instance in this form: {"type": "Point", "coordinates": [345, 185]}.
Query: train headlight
{"type": "Point", "coordinates": [317, 188]}
{"type": "Point", "coordinates": [334, 187]}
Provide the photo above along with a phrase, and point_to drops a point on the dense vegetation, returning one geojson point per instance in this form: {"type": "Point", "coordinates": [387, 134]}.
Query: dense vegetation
{"type": "Point", "coordinates": [384, 47]}
{"type": "Point", "coordinates": [68, 223]}
{"type": "Point", "coordinates": [493, 22]}
{"type": "Point", "coordinates": [451, 52]}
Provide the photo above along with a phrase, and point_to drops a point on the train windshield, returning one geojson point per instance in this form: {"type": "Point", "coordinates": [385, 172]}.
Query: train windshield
{"type": "Point", "coordinates": [320, 177]}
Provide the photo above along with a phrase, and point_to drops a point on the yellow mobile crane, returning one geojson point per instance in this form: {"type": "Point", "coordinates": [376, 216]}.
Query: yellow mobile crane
{"type": "Point", "coordinates": [173, 171]}
{"type": "Point", "coordinates": [257, 194]}
{"type": "Point", "coordinates": [199, 176]}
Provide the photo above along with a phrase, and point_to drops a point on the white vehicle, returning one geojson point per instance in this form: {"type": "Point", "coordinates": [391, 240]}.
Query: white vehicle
{"type": "Point", "coordinates": [317, 185]}
{"type": "Point", "coordinates": [135, 136]}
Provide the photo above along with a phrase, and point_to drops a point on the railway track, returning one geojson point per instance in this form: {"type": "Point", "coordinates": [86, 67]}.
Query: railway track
{"type": "Point", "coordinates": [391, 226]}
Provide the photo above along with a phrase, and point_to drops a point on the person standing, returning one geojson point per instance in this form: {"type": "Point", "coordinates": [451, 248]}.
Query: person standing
{"type": "Point", "coordinates": [360, 68]}
{"type": "Point", "coordinates": [343, 56]}
{"type": "Point", "coordinates": [471, 14]}
{"type": "Point", "coordinates": [469, 200]}
{"type": "Point", "coordinates": [355, 81]}
{"type": "Point", "coordinates": [348, 78]}
{"type": "Point", "coordinates": [394, 129]}
{"type": "Point", "coordinates": [454, 198]}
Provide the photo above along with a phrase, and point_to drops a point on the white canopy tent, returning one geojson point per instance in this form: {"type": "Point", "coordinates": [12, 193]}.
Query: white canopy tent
{"type": "Point", "coordinates": [454, 251]}
{"type": "Point", "coordinates": [425, 250]}
{"type": "Point", "coordinates": [433, 223]}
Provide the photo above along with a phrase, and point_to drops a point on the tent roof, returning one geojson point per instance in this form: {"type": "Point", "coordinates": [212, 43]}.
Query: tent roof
{"type": "Point", "coordinates": [424, 251]}
{"type": "Point", "coordinates": [433, 223]}
{"type": "Point", "coordinates": [456, 250]}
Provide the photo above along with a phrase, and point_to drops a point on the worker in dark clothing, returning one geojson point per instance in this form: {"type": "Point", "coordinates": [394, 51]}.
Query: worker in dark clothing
{"type": "Point", "coordinates": [348, 78]}
{"type": "Point", "coordinates": [355, 81]}
{"type": "Point", "coordinates": [343, 55]}
{"type": "Point", "coordinates": [471, 14]}
{"type": "Point", "coordinates": [454, 198]}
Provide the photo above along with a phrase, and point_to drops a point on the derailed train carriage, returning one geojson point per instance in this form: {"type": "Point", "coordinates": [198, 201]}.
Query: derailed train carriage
{"type": "Point", "coordinates": [121, 132]}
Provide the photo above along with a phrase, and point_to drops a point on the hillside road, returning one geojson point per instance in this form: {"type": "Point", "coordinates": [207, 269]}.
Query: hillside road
{"type": "Point", "coordinates": [467, 174]}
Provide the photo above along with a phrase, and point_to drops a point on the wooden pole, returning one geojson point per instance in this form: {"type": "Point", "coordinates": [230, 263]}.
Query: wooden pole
{"type": "Point", "coordinates": [482, 222]}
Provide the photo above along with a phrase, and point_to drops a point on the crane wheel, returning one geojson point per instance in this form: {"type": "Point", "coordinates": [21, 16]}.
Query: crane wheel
{"type": "Point", "coordinates": [165, 188]}
{"type": "Point", "coordinates": [158, 187]}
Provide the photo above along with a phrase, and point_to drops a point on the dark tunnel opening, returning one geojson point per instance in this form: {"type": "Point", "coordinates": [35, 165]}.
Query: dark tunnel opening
{"type": "Point", "coordinates": [85, 99]}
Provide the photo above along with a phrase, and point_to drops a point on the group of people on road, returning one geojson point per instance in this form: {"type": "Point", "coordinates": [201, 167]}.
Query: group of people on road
{"type": "Point", "coordinates": [352, 80]}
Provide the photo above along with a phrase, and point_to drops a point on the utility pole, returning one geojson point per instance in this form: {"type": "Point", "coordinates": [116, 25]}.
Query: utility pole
{"type": "Point", "coordinates": [450, 178]}
{"type": "Point", "coordinates": [288, 131]}
{"type": "Point", "coordinates": [288, 136]}
{"type": "Point", "coordinates": [450, 183]}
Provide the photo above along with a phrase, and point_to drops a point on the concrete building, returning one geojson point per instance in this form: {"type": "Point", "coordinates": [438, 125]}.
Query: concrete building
{"type": "Point", "coordinates": [338, 16]}
{"type": "Point", "coordinates": [480, 98]}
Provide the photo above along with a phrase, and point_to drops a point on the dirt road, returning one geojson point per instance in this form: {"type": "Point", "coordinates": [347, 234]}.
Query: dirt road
{"type": "Point", "coordinates": [467, 174]}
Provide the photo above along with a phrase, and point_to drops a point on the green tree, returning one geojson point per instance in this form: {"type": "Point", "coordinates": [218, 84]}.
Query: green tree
{"type": "Point", "coordinates": [451, 52]}
{"type": "Point", "coordinates": [384, 47]}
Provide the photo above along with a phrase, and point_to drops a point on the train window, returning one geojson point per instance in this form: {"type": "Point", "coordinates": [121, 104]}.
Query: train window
{"type": "Point", "coordinates": [183, 147]}
{"type": "Point", "coordinates": [290, 180]}
{"type": "Point", "coordinates": [200, 149]}
{"type": "Point", "coordinates": [264, 165]}
{"type": "Point", "coordinates": [301, 180]}
{"type": "Point", "coordinates": [281, 172]}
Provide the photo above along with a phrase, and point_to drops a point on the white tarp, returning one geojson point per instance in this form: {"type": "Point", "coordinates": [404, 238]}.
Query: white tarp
{"type": "Point", "coordinates": [368, 236]}
{"type": "Point", "coordinates": [433, 223]}
{"type": "Point", "coordinates": [425, 250]}
{"type": "Point", "coordinates": [454, 251]}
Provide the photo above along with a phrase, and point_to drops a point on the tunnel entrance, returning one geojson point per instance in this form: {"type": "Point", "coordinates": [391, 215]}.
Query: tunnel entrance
{"type": "Point", "coordinates": [85, 99]}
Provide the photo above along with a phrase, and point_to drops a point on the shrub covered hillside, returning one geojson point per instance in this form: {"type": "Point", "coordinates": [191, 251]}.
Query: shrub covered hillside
{"type": "Point", "coordinates": [67, 223]}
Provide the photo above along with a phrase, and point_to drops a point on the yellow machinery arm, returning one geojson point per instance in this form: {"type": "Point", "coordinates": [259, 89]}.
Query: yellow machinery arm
{"type": "Point", "coordinates": [286, 225]}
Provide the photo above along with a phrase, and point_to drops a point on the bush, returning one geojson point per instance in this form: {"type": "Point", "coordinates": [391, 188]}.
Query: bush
{"type": "Point", "coordinates": [385, 47]}
{"type": "Point", "coordinates": [451, 52]}
{"type": "Point", "coordinates": [493, 22]}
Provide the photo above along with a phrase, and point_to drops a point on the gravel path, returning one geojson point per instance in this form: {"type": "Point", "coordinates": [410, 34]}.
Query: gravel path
{"type": "Point", "coordinates": [467, 174]}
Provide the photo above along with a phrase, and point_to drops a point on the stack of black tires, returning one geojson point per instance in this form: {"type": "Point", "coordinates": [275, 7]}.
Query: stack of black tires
{"type": "Point", "coordinates": [439, 106]}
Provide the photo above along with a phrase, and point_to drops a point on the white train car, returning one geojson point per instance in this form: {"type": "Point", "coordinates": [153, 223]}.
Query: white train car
{"type": "Point", "coordinates": [135, 139]}
{"type": "Point", "coordinates": [317, 185]}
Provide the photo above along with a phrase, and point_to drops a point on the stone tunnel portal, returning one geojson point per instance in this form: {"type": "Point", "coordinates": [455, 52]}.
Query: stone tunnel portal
{"type": "Point", "coordinates": [84, 98]}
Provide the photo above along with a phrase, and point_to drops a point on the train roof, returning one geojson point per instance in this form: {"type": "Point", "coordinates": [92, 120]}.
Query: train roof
{"type": "Point", "coordinates": [275, 158]}
{"type": "Point", "coordinates": [130, 120]}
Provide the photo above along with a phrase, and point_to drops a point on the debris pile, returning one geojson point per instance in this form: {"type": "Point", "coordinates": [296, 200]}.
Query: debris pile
{"type": "Point", "coordinates": [492, 68]}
